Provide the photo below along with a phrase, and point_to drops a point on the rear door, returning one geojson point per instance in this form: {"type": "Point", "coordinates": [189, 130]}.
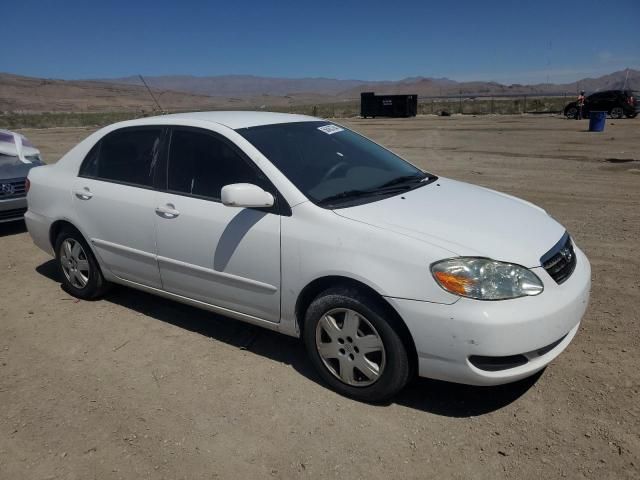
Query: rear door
{"type": "Point", "coordinates": [610, 100]}
{"type": "Point", "coordinates": [114, 201]}
{"type": "Point", "coordinates": [598, 102]}
{"type": "Point", "coordinates": [228, 257]}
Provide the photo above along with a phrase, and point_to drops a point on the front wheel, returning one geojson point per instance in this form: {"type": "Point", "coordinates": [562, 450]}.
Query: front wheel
{"type": "Point", "coordinates": [354, 345]}
{"type": "Point", "coordinates": [572, 113]}
{"type": "Point", "coordinates": [617, 113]}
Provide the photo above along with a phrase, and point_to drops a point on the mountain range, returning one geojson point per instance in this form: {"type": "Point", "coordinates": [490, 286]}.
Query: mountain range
{"type": "Point", "coordinates": [186, 92]}
{"type": "Point", "coordinates": [250, 85]}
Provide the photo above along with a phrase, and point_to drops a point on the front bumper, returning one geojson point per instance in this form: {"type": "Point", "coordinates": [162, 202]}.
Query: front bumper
{"type": "Point", "coordinates": [12, 209]}
{"type": "Point", "coordinates": [446, 336]}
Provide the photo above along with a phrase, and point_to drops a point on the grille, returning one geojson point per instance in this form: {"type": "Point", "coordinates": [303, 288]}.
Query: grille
{"type": "Point", "coordinates": [12, 188]}
{"type": "Point", "coordinates": [15, 213]}
{"type": "Point", "coordinates": [496, 364]}
{"type": "Point", "coordinates": [560, 261]}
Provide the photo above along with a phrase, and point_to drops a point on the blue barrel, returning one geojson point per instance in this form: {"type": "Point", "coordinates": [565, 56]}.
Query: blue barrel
{"type": "Point", "coordinates": [597, 121]}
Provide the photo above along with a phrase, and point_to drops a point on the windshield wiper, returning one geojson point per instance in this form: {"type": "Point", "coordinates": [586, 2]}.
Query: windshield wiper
{"type": "Point", "coordinates": [404, 179]}
{"type": "Point", "coordinates": [370, 192]}
{"type": "Point", "coordinates": [404, 182]}
{"type": "Point", "coordinates": [345, 195]}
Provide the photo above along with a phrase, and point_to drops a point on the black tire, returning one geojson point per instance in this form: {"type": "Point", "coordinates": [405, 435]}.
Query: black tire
{"type": "Point", "coordinates": [632, 115]}
{"type": "Point", "coordinates": [95, 285]}
{"type": "Point", "coordinates": [617, 113]}
{"type": "Point", "coordinates": [396, 368]}
{"type": "Point", "coordinates": [571, 112]}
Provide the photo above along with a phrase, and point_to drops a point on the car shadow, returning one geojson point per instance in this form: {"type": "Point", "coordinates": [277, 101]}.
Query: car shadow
{"type": "Point", "coordinates": [457, 400]}
{"type": "Point", "coordinates": [433, 396]}
{"type": "Point", "coordinates": [12, 228]}
{"type": "Point", "coordinates": [233, 234]}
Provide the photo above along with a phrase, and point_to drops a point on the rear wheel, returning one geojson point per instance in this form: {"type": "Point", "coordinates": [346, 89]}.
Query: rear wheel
{"type": "Point", "coordinates": [617, 112]}
{"type": "Point", "coordinates": [354, 345]}
{"type": "Point", "coordinates": [80, 272]}
{"type": "Point", "coordinates": [572, 112]}
{"type": "Point", "coordinates": [632, 115]}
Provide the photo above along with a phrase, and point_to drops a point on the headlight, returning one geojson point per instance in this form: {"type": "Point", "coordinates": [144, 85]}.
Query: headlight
{"type": "Point", "coordinates": [485, 279]}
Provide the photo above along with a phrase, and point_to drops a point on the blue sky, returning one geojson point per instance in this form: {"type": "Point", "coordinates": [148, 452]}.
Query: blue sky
{"type": "Point", "coordinates": [509, 41]}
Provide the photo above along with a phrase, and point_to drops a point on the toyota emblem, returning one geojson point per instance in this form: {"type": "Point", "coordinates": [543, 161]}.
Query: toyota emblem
{"type": "Point", "coordinates": [566, 254]}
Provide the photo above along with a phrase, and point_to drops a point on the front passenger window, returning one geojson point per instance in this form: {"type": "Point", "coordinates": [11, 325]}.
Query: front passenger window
{"type": "Point", "coordinates": [201, 164]}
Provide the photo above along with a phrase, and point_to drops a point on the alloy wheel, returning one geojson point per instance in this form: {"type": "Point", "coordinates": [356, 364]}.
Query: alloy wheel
{"type": "Point", "coordinates": [617, 112]}
{"type": "Point", "coordinates": [75, 264]}
{"type": "Point", "coordinates": [350, 347]}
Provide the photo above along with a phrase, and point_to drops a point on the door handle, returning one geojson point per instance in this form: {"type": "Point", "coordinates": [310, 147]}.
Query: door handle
{"type": "Point", "coordinates": [83, 194]}
{"type": "Point", "coordinates": [167, 211]}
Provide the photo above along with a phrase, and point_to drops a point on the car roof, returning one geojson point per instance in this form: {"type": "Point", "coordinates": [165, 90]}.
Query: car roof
{"type": "Point", "coordinates": [610, 91]}
{"type": "Point", "coordinates": [236, 119]}
{"type": "Point", "coordinates": [9, 132]}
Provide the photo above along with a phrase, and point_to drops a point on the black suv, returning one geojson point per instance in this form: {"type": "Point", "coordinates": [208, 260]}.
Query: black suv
{"type": "Point", "coordinates": [617, 103]}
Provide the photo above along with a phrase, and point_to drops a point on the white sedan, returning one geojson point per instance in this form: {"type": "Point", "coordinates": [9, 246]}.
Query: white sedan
{"type": "Point", "coordinates": [302, 226]}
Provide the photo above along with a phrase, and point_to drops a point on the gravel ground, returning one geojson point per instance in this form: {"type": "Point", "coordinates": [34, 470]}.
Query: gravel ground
{"type": "Point", "coordinates": [133, 386]}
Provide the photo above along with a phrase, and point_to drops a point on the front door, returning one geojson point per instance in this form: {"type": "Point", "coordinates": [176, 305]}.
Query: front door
{"type": "Point", "coordinates": [228, 257]}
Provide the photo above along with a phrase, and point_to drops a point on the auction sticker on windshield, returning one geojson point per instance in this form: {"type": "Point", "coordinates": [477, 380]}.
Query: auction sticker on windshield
{"type": "Point", "coordinates": [330, 129]}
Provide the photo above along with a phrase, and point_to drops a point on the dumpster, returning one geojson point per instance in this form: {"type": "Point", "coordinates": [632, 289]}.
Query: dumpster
{"type": "Point", "coordinates": [372, 105]}
{"type": "Point", "coordinates": [597, 121]}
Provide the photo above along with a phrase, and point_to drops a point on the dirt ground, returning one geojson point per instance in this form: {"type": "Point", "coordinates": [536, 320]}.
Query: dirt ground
{"type": "Point", "coordinates": [134, 386]}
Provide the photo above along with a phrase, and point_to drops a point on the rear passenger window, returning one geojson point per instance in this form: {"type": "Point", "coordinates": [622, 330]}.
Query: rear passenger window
{"type": "Point", "coordinates": [201, 164]}
{"type": "Point", "coordinates": [126, 156]}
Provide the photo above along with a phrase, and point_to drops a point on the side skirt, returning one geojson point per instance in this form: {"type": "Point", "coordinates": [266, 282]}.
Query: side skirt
{"type": "Point", "coordinates": [206, 306]}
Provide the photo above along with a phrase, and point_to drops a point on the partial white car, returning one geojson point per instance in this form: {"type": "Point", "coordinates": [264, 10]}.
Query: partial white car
{"type": "Point", "coordinates": [17, 156]}
{"type": "Point", "coordinates": [302, 226]}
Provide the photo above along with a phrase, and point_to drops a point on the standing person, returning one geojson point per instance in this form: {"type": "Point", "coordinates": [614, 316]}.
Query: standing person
{"type": "Point", "coordinates": [581, 99]}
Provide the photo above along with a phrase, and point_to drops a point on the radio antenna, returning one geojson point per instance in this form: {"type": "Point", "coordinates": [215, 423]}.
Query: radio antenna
{"type": "Point", "coordinates": [151, 93]}
{"type": "Point", "coordinates": [626, 78]}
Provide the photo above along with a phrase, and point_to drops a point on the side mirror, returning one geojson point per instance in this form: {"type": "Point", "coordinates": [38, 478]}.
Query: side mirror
{"type": "Point", "coordinates": [245, 195]}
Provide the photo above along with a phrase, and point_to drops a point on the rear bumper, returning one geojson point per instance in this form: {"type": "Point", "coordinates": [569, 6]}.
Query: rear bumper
{"type": "Point", "coordinates": [12, 209]}
{"type": "Point", "coordinates": [538, 328]}
{"type": "Point", "coordinates": [39, 227]}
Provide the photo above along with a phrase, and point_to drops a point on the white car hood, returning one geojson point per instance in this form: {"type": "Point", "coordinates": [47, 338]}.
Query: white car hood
{"type": "Point", "coordinates": [466, 220]}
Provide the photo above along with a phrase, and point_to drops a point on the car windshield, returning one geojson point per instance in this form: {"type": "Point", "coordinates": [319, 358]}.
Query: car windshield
{"type": "Point", "coordinates": [333, 166]}
{"type": "Point", "coordinates": [26, 142]}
